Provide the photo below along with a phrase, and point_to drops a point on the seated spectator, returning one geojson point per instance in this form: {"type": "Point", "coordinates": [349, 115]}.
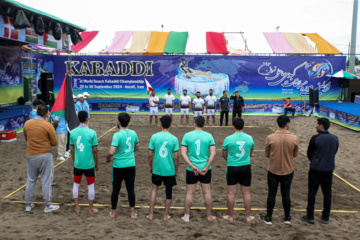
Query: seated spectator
{"type": "Point", "coordinates": [288, 107]}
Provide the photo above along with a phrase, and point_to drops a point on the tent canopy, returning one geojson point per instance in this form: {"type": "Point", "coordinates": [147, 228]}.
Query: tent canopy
{"type": "Point", "coordinates": [157, 43]}
{"type": "Point", "coordinates": [86, 37]}
{"type": "Point", "coordinates": [120, 41]}
{"type": "Point", "coordinates": [216, 43]}
{"type": "Point", "coordinates": [176, 42]}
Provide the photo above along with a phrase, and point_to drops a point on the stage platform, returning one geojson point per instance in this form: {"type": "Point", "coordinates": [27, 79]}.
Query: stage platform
{"type": "Point", "coordinates": [13, 117]}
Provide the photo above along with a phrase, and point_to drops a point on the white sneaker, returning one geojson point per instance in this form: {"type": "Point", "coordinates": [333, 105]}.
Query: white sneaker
{"type": "Point", "coordinates": [61, 158]}
{"type": "Point", "coordinates": [51, 208]}
{"type": "Point", "coordinates": [28, 208]}
{"type": "Point", "coordinates": [67, 155]}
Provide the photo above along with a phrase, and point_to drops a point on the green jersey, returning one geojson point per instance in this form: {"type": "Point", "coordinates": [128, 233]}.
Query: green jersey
{"type": "Point", "coordinates": [83, 139]}
{"type": "Point", "coordinates": [238, 146]}
{"type": "Point", "coordinates": [124, 141]}
{"type": "Point", "coordinates": [198, 144]}
{"type": "Point", "coordinates": [164, 144]}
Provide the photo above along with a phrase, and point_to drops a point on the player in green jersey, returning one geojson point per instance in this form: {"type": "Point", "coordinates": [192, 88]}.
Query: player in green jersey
{"type": "Point", "coordinates": [163, 162]}
{"type": "Point", "coordinates": [198, 151]}
{"type": "Point", "coordinates": [236, 150]}
{"type": "Point", "coordinates": [83, 146]}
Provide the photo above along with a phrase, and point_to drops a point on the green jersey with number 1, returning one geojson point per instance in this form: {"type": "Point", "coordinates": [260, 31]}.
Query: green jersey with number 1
{"type": "Point", "coordinates": [83, 139]}
{"type": "Point", "coordinates": [238, 146]}
{"type": "Point", "coordinates": [124, 141]}
{"type": "Point", "coordinates": [198, 144]}
{"type": "Point", "coordinates": [164, 144]}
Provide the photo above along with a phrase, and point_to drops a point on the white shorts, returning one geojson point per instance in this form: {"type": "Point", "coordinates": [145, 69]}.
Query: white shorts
{"type": "Point", "coordinates": [153, 111]}
{"type": "Point", "coordinates": [169, 111]}
{"type": "Point", "coordinates": [184, 111]}
{"type": "Point", "coordinates": [198, 113]}
{"type": "Point", "coordinates": [211, 112]}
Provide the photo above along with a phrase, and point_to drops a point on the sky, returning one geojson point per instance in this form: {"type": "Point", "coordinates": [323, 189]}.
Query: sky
{"type": "Point", "coordinates": [331, 19]}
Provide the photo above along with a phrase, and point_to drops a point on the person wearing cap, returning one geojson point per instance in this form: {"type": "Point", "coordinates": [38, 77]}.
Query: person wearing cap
{"type": "Point", "coordinates": [33, 112]}
{"type": "Point", "coordinates": [81, 105]}
{"type": "Point", "coordinates": [86, 97]}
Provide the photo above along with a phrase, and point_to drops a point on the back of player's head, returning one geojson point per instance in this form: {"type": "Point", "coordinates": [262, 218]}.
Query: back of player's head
{"type": "Point", "coordinates": [238, 123]}
{"type": "Point", "coordinates": [37, 102]}
{"type": "Point", "coordinates": [124, 119]}
{"type": "Point", "coordinates": [324, 122]}
{"type": "Point", "coordinates": [42, 110]}
{"type": "Point", "coordinates": [282, 121]}
{"type": "Point", "coordinates": [200, 121]}
{"type": "Point", "coordinates": [82, 115]}
{"type": "Point", "coordinates": [165, 121]}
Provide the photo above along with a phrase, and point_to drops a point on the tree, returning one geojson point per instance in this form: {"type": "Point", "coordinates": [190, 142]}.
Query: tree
{"type": "Point", "coordinates": [357, 61]}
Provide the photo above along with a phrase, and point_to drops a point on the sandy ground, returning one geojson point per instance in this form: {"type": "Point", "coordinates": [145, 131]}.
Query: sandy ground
{"type": "Point", "coordinates": [65, 224]}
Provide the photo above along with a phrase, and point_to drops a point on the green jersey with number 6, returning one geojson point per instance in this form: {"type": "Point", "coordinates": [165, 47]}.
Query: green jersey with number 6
{"type": "Point", "coordinates": [83, 139]}
{"type": "Point", "coordinates": [198, 144]}
{"type": "Point", "coordinates": [238, 146]}
{"type": "Point", "coordinates": [164, 144]}
{"type": "Point", "coordinates": [124, 141]}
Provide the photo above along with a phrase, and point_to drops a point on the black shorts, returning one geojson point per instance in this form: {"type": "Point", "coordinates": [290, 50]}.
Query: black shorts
{"type": "Point", "coordinates": [241, 175]}
{"type": "Point", "coordinates": [192, 179]}
{"type": "Point", "coordinates": [87, 172]}
{"type": "Point", "coordinates": [169, 181]}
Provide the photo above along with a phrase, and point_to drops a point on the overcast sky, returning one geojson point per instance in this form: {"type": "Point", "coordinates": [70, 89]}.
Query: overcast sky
{"type": "Point", "coordinates": [332, 19]}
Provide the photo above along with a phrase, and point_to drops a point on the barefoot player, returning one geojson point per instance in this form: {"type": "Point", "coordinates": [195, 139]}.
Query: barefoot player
{"type": "Point", "coordinates": [198, 151]}
{"type": "Point", "coordinates": [185, 105]}
{"type": "Point", "coordinates": [163, 148]}
{"type": "Point", "coordinates": [198, 106]}
{"type": "Point", "coordinates": [210, 107]}
{"type": "Point", "coordinates": [123, 145]}
{"type": "Point", "coordinates": [237, 149]}
{"type": "Point", "coordinates": [83, 146]}
{"type": "Point", "coordinates": [153, 102]}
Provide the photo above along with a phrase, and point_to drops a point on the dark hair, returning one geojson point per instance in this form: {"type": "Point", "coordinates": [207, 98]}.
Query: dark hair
{"type": "Point", "coordinates": [200, 121]}
{"type": "Point", "coordinates": [288, 98]}
{"type": "Point", "coordinates": [165, 121]}
{"type": "Point", "coordinates": [325, 122]}
{"type": "Point", "coordinates": [224, 91]}
{"type": "Point", "coordinates": [82, 115]}
{"type": "Point", "coordinates": [169, 89]}
{"type": "Point", "coordinates": [124, 119]}
{"type": "Point", "coordinates": [184, 90]}
{"type": "Point", "coordinates": [37, 102]}
{"type": "Point", "coordinates": [42, 110]}
{"type": "Point", "coordinates": [236, 91]}
{"type": "Point", "coordinates": [238, 123]}
{"type": "Point", "coordinates": [197, 92]}
{"type": "Point", "coordinates": [211, 90]}
{"type": "Point", "coordinates": [282, 121]}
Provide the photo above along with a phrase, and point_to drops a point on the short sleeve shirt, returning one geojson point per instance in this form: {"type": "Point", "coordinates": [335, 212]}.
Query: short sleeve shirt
{"type": "Point", "coordinates": [124, 141]}
{"type": "Point", "coordinates": [169, 100]}
{"type": "Point", "coordinates": [32, 114]}
{"type": "Point", "coordinates": [198, 147]}
{"type": "Point", "coordinates": [62, 126]}
{"type": "Point", "coordinates": [164, 144]}
{"type": "Point", "coordinates": [238, 146]}
{"type": "Point", "coordinates": [224, 103]}
{"type": "Point", "coordinates": [156, 99]}
{"type": "Point", "coordinates": [198, 104]}
{"type": "Point", "coordinates": [81, 106]}
{"type": "Point", "coordinates": [211, 100]}
{"type": "Point", "coordinates": [185, 101]}
{"type": "Point", "coordinates": [83, 139]}
{"type": "Point", "coordinates": [87, 108]}
{"type": "Point", "coordinates": [286, 103]}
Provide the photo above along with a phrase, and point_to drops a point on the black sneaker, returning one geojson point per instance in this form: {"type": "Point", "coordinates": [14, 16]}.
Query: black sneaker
{"type": "Point", "coordinates": [266, 220]}
{"type": "Point", "coordinates": [324, 220]}
{"type": "Point", "coordinates": [308, 219]}
{"type": "Point", "coordinates": [287, 220]}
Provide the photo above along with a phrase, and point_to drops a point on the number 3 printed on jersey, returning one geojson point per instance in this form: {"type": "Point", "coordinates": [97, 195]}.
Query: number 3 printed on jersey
{"type": "Point", "coordinates": [242, 150]}
{"type": "Point", "coordinates": [79, 145]}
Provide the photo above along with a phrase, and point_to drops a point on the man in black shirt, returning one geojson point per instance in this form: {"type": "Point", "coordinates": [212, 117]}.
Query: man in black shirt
{"type": "Point", "coordinates": [224, 105]}
{"type": "Point", "coordinates": [238, 106]}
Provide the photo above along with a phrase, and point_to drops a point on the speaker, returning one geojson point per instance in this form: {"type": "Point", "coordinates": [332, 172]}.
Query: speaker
{"type": "Point", "coordinates": [46, 83]}
{"type": "Point", "coordinates": [344, 83]}
{"type": "Point", "coordinates": [314, 96]}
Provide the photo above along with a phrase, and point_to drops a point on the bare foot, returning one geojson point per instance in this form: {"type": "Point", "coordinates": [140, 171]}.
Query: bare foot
{"type": "Point", "coordinates": [93, 211]}
{"type": "Point", "coordinates": [149, 217]}
{"type": "Point", "coordinates": [77, 210]}
{"type": "Point", "coordinates": [112, 214]}
{"type": "Point", "coordinates": [133, 215]}
{"type": "Point", "coordinates": [167, 218]}
{"type": "Point", "coordinates": [228, 218]}
{"type": "Point", "coordinates": [250, 219]}
{"type": "Point", "coordinates": [211, 218]}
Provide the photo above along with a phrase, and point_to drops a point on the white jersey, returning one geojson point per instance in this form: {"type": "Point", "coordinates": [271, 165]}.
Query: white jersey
{"type": "Point", "coordinates": [185, 100]}
{"type": "Point", "coordinates": [199, 102]}
{"type": "Point", "coordinates": [152, 99]}
{"type": "Point", "coordinates": [211, 100]}
{"type": "Point", "coordinates": [169, 100]}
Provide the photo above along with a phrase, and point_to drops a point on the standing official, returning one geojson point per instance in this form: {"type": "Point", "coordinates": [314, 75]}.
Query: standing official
{"type": "Point", "coordinates": [169, 103]}
{"type": "Point", "coordinates": [224, 105]}
{"type": "Point", "coordinates": [86, 98]}
{"type": "Point", "coordinates": [33, 112]}
{"type": "Point", "coordinates": [210, 107]}
{"type": "Point", "coordinates": [153, 102]}
{"type": "Point", "coordinates": [185, 106]}
{"type": "Point", "coordinates": [238, 106]}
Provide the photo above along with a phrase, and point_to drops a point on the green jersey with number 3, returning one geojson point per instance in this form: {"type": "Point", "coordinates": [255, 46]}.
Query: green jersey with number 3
{"type": "Point", "coordinates": [198, 144]}
{"type": "Point", "coordinates": [124, 141]}
{"type": "Point", "coordinates": [83, 139]}
{"type": "Point", "coordinates": [238, 146]}
{"type": "Point", "coordinates": [164, 144]}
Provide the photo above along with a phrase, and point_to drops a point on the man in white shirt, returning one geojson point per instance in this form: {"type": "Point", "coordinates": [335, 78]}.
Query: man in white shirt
{"type": "Point", "coordinates": [185, 106]}
{"type": "Point", "coordinates": [153, 102]}
{"type": "Point", "coordinates": [198, 106]}
{"type": "Point", "coordinates": [169, 102]}
{"type": "Point", "coordinates": [210, 107]}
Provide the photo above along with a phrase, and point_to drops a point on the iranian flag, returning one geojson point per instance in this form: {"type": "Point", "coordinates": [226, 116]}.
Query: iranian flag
{"type": "Point", "coordinates": [64, 106]}
{"type": "Point", "coordinates": [149, 89]}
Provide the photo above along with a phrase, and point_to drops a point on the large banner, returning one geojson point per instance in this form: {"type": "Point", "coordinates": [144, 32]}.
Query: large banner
{"type": "Point", "coordinates": [258, 78]}
{"type": "Point", "coordinates": [11, 86]}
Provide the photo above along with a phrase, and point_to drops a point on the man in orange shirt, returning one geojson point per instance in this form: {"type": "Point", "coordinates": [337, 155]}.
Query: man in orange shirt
{"type": "Point", "coordinates": [40, 136]}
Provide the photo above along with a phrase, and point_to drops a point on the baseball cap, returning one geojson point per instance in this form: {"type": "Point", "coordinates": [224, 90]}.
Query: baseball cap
{"type": "Point", "coordinates": [37, 102]}
{"type": "Point", "coordinates": [74, 96]}
{"type": "Point", "coordinates": [80, 96]}
{"type": "Point", "coordinates": [86, 94]}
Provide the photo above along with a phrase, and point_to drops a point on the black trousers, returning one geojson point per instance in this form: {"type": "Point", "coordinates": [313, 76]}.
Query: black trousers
{"type": "Point", "coordinates": [316, 179]}
{"type": "Point", "coordinates": [285, 185]}
{"type": "Point", "coordinates": [68, 140]}
{"type": "Point", "coordinates": [222, 113]}
{"type": "Point", "coordinates": [286, 110]}
{"type": "Point", "coordinates": [238, 112]}
{"type": "Point", "coordinates": [120, 174]}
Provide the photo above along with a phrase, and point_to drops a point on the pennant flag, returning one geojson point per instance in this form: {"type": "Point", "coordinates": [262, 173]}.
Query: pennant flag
{"type": "Point", "coordinates": [64, 106]}
{"type": "Point", "coordinates": [148, 86]}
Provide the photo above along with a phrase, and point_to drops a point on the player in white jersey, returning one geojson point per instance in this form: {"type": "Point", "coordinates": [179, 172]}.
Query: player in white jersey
{"type": "Point", "coordinates": [169, 103]}
{"type": "Point", "coordinates": [153, 102]}
{"type": "Point", "coordinates": [210, 107]}
{"type": "Point", "coordinates": [198, 106]}
{"type": "Point", "coordinates": [185, 106]}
